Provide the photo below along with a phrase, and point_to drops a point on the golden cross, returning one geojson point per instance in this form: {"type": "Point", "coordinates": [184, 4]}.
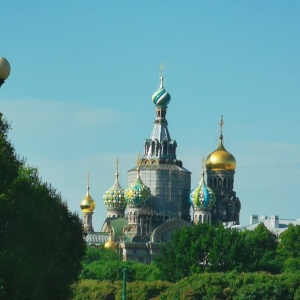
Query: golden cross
{"type": "Point", "coordinates": [221, 124]}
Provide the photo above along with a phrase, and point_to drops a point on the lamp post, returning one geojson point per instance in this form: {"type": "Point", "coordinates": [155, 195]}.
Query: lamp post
{"type": "Point", "coordinates": [4, 69]}
{"type": "Point", "coordinates": [124, 285]}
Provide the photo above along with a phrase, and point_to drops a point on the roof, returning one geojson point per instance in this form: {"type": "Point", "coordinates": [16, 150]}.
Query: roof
{"type": "Point", "coordinates": [273, 223]}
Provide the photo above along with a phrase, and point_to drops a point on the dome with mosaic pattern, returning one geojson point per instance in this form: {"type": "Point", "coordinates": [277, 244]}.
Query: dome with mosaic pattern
{"type": "Point", "coordinates": [202, 196]}
{"type": "Point", "coordinates": [161, 97]}
{"type": "Point", "coordinates": [114, 197]}
{"type": "Point", "coordinates": [137, 194]}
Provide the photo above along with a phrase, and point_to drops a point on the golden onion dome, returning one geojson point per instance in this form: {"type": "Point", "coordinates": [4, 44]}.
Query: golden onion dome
{"type": "Point", "coordinates": [88, 204]}
{"type": "Point", "coordinates": [110, 244]}
{"type": "Point", "coordinates": [220, 159]}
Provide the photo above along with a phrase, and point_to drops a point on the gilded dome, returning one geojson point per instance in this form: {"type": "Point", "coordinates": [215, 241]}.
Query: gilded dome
{"type": "Point", "coordinates": [110, 244]}
{"type": "Point", "coordinates": [88, 204]}
{"type": "Point", "coordinates": [114, 197]}
{"type": "Point", "coordinates": [202, 197]}
{"type": "Point", "coordinates": [220, 159]}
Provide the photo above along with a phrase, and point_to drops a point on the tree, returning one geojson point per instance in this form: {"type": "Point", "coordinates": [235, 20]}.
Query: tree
{"type": "Point", "coordinates": [227, 252]}
{"type": "Point", "coordinates": [187, 252]}
{"type": "Point", "coordinates": [260, 250]}
{"type": "Point", "coordinates": [289, 248]}
{"type": "Point", "coordinates": [204, 248]}
{"type": "Point", "coordinates": [42, 242]}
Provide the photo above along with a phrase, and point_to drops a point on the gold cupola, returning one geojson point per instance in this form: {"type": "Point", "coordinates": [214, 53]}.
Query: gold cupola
{"type": "Point", "coordinates": [88, 204]}
{"type": "Point", "coordinates": [220, 159]}
{"type": "Point", "coordinates": [110, 244]}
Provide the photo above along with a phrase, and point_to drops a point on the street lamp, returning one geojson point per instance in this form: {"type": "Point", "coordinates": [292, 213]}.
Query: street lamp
{"type": "Point", "coordinates": [4, 69]}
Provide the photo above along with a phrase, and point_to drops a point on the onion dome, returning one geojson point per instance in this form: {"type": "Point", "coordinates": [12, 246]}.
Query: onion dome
{"type": "Point", "coordinates": [137, 194]}
{"type": "Point", "coordinates": [110, 244]}
{"type": "Point", "coordinates": [88, 204]}
{"type": "Point", "coordinates": [220, 159]}
{"type": "Point", "coordinates": [114, 197]}
{"type": "Point", "coordinates": [161, 97]}
{"type": "Point", "coordinates": [202, 197]}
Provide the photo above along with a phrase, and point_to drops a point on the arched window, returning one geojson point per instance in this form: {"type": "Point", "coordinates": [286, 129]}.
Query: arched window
{"type": "Point", "coordinates": [215, 182]}
{"type": "Point", "coordinates": [225, 183]}
{"type": "Point", "coordinates": [220, 182]}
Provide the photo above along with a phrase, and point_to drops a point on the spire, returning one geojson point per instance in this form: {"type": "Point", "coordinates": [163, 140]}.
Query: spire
{"type": "Point", "coordinates": [160, 145]}
{"type": "Point", "coordinates": [161, 76]}
{"type": "Point", "coordinates": [138, 165]}
{"type": "Point", "coordinates": [88, 184]}
{"type": "Point", "coordinates": [203, 165]}
{"type": "Point", "coordinates": [221, 127]}
{"type": "Point", "coordinates": [117, 170]}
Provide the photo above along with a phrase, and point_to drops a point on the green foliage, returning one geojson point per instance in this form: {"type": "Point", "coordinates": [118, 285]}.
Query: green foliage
{"type": "Point", "coordinates": [227, 250]}
{"type": "Point", "coordinates": [41, 240]}
{"type": "Point", "coordinates": [232, 286]}
{"type": "Point", "coordinates": [106, 264]}
{"type": "Point", "coordinates": [206, 286]}
{"type": "Point", "coordinates": [289, 246]}
{"type": "Point", "coordinates": [9, 163]}
{"type": "Point", "coordinates": [260, 249]}
{"type": "Point", "coordinates": [94, 290]}
{"type": "Point", "coordinates": [105, 290]}
{"type": "Point", "coordinates": [187, 252]}
{"type": "Point", "coordinates": [204, 248]}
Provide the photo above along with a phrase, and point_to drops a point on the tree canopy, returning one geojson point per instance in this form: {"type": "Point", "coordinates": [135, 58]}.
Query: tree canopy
{"type": "Point", "coordinates": [41, 241]}
{"type": "Point", "coordinates": [204, 248]}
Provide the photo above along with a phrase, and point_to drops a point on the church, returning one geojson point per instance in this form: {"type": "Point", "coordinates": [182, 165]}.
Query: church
{"type": "Point", "coordinates": [159, 198]}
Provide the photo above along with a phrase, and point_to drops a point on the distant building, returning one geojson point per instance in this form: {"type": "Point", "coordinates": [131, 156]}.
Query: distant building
{"type": "Point", "coordinates": [273, 223]}
{"type": "Point", "coordinates": [158, 198]}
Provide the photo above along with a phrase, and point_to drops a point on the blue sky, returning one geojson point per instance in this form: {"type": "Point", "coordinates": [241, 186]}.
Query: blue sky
{"type": "Point", "coordinates": [83, 73]}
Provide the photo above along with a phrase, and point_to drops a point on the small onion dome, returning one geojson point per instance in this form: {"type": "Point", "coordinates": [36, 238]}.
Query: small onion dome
{"type": "Point", "coordinates": [202, 196]}
{"type": "Point", "coordinates": [87, 204]}
{"type": "Point", "coordinates": [161, 97]}
{"type": "Point", "coordinates": [114, 197]}
{"type": "Point", "coordinates": [220, 159]}
{"type": "Point", "coordinates": [137, 193]}
{"type": "Point", "coordinates": [4, 68]}
{"type": "Point", "coordinates": [110, 244]}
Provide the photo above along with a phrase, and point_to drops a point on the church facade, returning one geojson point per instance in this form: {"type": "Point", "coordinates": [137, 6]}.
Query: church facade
{"type": "Point", "coordinates": [158, 198]}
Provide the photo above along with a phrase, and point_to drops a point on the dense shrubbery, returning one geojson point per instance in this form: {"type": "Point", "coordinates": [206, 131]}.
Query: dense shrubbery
{"type": "Point", "coordinates": [204, 248]}
{"type": "Point", "coordinates": [105, 264]}
{"type": "Point", "coordinates": [207, 286]}
{"type": "Point", "coordinates": [194, 260]}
